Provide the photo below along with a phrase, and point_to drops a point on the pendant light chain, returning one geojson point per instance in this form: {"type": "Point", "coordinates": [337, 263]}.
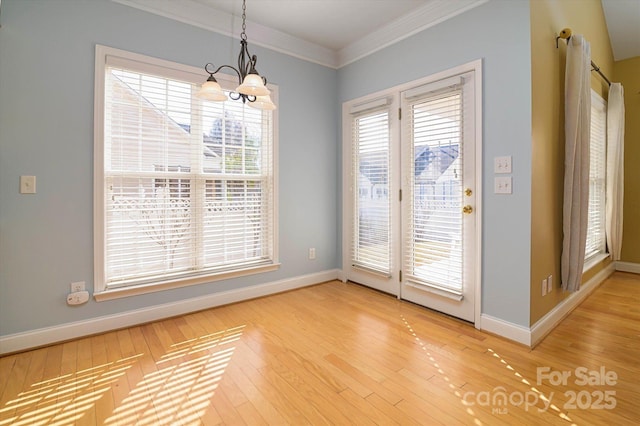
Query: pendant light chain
{"type": "Point", "coordinates": [243, 35]}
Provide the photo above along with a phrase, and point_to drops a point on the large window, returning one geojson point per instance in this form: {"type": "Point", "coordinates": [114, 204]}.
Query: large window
{"type": "Point", "coordinates": [596, 241]}
{"type": "Point", "coordinates": [184, 187]}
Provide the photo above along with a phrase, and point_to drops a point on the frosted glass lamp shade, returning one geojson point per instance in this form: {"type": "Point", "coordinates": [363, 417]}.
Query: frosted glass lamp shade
{"type": "Point", "coordinates": [211, 91]}
{"type": "Point", "coordinates": [253, 86]}
{"type": "Point", "coordinates": [263, 102]}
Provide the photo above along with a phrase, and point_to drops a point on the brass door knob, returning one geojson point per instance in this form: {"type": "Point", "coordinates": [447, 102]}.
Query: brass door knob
{"type": "Point", "coordinates": [468, 192]}
{"type": "Point", "coordinates": [467, 209]}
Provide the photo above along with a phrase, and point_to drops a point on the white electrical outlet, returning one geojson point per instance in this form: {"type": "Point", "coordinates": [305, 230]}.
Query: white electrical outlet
{"type": "Point", "coordinates": [549, 283]}
{"type": "Point", "coordinates": [544, 287]}
{"type": "Point", "coordinates": [312, 253]}
{"type": "Point", "coordinates": [77, 286]}
{"type": "Point", "coordinates": [27, 184]}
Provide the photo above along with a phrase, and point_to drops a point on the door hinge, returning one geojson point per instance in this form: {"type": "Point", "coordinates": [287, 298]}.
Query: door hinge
{"type": "Point", "coordinates": [399, 113]}
{"type": "Point", "coordinates": [400, 196]}
{"type": "Point", "coordinates": [400, 275]}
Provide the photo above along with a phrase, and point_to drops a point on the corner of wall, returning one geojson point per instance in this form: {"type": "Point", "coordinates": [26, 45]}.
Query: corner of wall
{"type": "Point", "coordinates": [626, 72]}
{"type": "Point", "coordinates": [547, 128]}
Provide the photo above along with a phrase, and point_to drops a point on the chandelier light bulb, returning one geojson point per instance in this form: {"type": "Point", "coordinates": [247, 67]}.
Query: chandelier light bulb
{"type": "Point", "coordinates": [253, 86]}
{"type": "Point", "coordinates": [211, 91]}
{"type": "Point", "coordinates": [263, 102]}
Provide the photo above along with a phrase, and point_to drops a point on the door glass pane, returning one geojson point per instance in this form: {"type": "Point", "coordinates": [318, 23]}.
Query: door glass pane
{"type": "Point", "coordinates": [372, 221]}
{"type": "Point", "coordinates": [434, 252]}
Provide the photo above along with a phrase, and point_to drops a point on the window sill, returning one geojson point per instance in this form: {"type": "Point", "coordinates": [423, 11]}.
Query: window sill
{"type": "Point", "coordinates": [117, 293]}
{"type": "Point", "coordinates": [593, 261]}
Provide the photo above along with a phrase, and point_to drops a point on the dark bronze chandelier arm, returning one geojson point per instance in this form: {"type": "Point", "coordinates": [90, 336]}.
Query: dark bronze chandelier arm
{"type": "Point", "coordinates": [210, 66]}
{"type": "Point", "coordinates": [242, 59]}
{"type": "Point", "coordinates": [235, 96]}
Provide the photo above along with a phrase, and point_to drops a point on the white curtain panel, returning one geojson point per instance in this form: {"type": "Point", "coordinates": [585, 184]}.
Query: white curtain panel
{"type": "Point", "coordinates": [615, 169]}
{"type": "Point", "coordinates": [577, 96]}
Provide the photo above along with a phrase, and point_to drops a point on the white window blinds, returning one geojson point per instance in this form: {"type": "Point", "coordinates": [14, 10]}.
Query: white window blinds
{"type": "Point", "coordinates": [370, 246]}
{"type": "Point", "coordinates": [433, 252]}
{"type": "Point", "coordinates": [596, 239]}
{"type": "Point", "coordinates": [188, 184]}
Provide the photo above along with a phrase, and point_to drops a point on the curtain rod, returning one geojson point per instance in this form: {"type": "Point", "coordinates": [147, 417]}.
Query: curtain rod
{"type": "Point", "coordinates": [597, 69]}
{"type": "Point", "coordinates": [566, 35]}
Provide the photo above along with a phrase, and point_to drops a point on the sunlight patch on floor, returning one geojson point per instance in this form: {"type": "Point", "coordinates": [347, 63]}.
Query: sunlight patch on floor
{"type": "Point", "coordinates": [435, 364]}
{"type": "Point", "coordinates": [179, 390]}
{"type": "Point", "coordinates": [182, 387]}
{"type": "Point", "coordinates": [546, 399]}
{"type": "Point", "coordinates": [63, 399]}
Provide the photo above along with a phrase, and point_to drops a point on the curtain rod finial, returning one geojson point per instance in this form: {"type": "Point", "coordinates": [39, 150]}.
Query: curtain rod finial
{"type": "Point", "coordinates": [564, 34]}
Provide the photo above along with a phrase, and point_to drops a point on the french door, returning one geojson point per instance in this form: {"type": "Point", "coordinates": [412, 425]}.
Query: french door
{"type": "Point", "coordinates": [411, 202]}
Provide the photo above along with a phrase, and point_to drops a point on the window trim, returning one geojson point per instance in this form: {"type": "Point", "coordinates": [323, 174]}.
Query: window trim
{"type": "Point", "coordinates": [186, 73]}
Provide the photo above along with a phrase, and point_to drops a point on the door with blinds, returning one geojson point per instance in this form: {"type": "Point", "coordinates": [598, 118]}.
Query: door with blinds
{"type": "Point", "coordinates": [438, 175]}
{"type": "Point", "coordinates": [411, 204]}
{"type": "Point", "coordinates": [372, 218]}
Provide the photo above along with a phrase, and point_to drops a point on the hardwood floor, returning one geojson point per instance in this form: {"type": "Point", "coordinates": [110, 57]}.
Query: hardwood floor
{"type": "Point", "coordinates": [336, 354]}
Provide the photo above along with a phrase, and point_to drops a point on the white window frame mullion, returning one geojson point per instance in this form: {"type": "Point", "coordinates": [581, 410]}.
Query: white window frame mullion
{"type": "Point", "coordinates": [198, 183]}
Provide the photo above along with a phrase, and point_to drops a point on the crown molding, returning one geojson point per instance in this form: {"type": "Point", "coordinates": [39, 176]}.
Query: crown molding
{"type": "Point", "coordinates": [194, 13]}
{"type": "Point", "coordinates": [199, 15]}
{"type": "Point", "coordinates": [432, 13]}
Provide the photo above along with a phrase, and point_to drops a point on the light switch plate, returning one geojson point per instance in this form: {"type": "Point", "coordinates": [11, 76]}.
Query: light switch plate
{"type": "Point", "coordinates": [502, 164]}
{"type": "Point", "coordinates": [502, 185]}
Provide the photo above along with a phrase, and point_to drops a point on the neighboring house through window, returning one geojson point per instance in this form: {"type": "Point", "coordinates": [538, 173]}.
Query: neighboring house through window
{"type": "Point", "coordinates": [185, 188]}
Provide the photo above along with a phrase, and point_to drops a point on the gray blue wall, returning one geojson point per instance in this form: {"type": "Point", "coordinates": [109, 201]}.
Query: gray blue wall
{"type": "Point", "coordinates": [46, 130]}
{"type": "Point", "coordinates": [497, 32]}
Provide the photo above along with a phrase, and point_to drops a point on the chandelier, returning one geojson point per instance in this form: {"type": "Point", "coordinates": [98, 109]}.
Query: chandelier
{"type": "Point", "coordinates": [252, 86]}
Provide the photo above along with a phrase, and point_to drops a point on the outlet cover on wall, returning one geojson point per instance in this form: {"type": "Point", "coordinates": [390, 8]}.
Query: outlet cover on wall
{"type": "Point", "coordinates": [27, 184]}
{"type": "Point", "coordinates": [78, 286]}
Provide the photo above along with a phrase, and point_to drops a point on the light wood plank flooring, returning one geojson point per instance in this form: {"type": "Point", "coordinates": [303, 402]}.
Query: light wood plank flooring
{"type": "Point", "coordinates": [336, 354]}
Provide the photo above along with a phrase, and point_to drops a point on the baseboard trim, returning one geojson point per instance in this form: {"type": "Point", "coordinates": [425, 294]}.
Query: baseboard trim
{"type": "Point", "coordinates": [544, 325]}
{"type": "Point", "coordinates": [49, 335]}
{"type": "Point", "coordinates": [628, 267]}
{"type": "Point", "coordinates": [508, 330]}
{"type": "Point", "coordinates": [532, 336]}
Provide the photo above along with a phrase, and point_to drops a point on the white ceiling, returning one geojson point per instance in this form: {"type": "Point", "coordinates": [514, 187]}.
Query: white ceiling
{"type": "Point", "coordinates": [623, 23]}
{"type": "Point", "coordinates": [337, 32]}
{"type": "Point", "coordinates": [333, 24]}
